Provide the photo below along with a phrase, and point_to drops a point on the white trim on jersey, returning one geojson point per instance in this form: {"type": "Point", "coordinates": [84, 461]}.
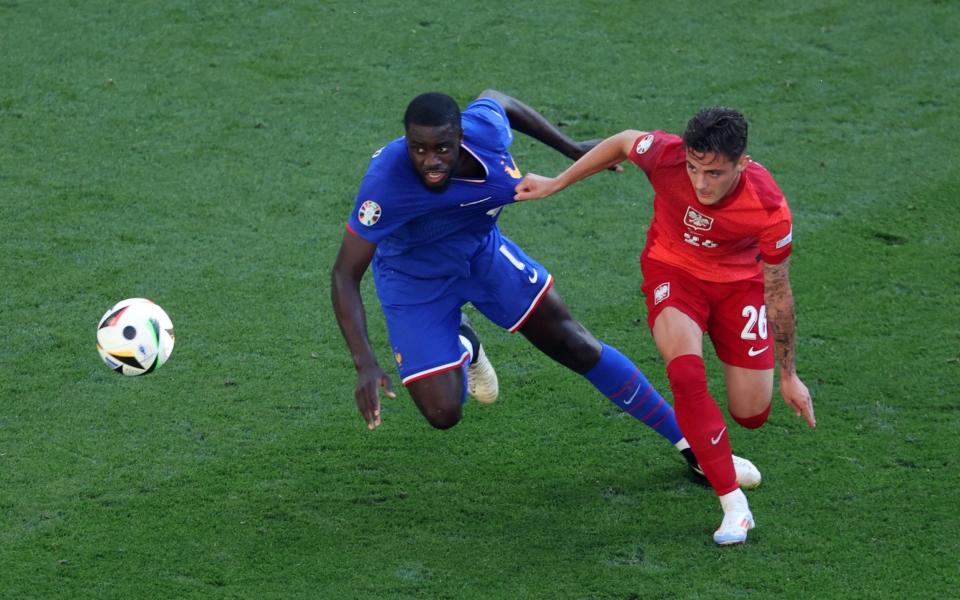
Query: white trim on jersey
{"type": "Point", "coordinates": [479, 160]}
{"type": "Point", "coordinates": [786, 240]}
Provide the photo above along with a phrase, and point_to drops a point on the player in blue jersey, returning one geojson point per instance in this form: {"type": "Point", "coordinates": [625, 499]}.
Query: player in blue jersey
{"type": "Point", "coordinates": [426, 219]}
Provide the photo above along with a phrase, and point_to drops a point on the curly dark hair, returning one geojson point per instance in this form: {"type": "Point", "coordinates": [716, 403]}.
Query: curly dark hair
{"type": "Point", "coordinates": [717, 129]}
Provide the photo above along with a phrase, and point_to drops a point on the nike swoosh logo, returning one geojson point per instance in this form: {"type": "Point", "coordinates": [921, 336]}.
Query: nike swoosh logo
{"type": "Point", "coordinates": [630, 401]}
{"type": "Point", "coordinates": [475, 201]}
{"type": "Point", "coordinates": [716, 440]}
{"type": "Point", "coordinates": [533, 278]}
{"type": "Point", "coordinates": [752, 352]}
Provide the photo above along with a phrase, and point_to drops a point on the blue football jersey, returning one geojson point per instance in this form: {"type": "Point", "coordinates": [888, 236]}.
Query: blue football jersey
{"type": "Point", "coordinates": [433, 234]}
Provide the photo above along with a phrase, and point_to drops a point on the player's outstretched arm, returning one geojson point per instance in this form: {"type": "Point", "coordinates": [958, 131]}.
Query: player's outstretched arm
{"type": "Point", "coordinates": [526, 120]}
{"type": "Point", "coordinates": [778, 297]}
{"type": "Point", "coordinates": [351, 264]}
{"type": "Point", "coordinates": [611, 151]}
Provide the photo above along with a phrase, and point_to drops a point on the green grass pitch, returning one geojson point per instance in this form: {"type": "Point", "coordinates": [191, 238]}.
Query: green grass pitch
{"type": "Point", "coordinates": [206, 154]}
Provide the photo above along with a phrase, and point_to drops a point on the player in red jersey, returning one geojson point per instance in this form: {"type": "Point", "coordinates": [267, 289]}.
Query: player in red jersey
{"type": "Point", "coordinates": [716, 261]}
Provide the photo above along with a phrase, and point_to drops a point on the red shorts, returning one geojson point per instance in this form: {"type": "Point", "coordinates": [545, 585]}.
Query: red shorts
{"type": "Point", "coordinates": [732, 313]}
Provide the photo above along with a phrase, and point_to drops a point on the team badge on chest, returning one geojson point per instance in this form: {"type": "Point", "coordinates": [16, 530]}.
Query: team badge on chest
{"type": "Point", "coordinates": [369, 213]}
{"type": "Point", "coordinates": [697, 220]}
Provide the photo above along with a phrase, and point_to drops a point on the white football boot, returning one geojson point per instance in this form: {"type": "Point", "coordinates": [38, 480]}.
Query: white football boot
{"type": "Point", "coordinates": [734, 527]}
{"type": "Point", "coordinates": [482, 381]}
{"type": "Point", "coordinates": [748, 475]}
{"type": "Point", "coordinates": [737, 519]}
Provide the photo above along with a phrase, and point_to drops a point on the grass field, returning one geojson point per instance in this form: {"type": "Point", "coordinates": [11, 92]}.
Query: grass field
{"type": "Point", "coordinates": [206, 155]}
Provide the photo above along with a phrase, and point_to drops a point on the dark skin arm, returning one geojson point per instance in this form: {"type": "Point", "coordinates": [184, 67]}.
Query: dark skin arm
{"type": "Point", "coordinates": [352, 263]}
{"type": "Point", "coordinates": [528, 121]}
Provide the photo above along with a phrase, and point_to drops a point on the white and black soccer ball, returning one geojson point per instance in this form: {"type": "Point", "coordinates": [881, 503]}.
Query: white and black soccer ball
{"type": "Point", "coordinates": [135, 337]}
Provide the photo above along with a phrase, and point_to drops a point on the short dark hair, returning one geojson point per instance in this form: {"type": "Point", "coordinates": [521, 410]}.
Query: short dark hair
{"type": "Point", "coordinates": [717, 129]}
{"type": "Point", "coordinates": [433, 109]}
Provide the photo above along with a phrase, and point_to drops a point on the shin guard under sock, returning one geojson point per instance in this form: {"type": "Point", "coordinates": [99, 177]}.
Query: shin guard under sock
{"type": "Point", "coordinates": [622, 382]}
{"type": "Point", "coordinates": [702, 422]}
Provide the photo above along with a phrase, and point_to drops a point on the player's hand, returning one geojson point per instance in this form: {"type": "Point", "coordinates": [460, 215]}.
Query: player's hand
{"type": "Point", "coordinates": [797, 396]}
{"type": "Point", "coordinates": [534, 187]}
{"type": "Point", "coordinates": [369, 382]}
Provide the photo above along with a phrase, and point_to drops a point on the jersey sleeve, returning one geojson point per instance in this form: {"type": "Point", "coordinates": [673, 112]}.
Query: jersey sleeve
{"type": "Point", "coordinates": [648, 147]}
{"type": "Point", "coordinates": [776, 232]}
{"type": "Point", "coordinates": [376, 212]}
{"type": "Point", "coordinates": [776, 239]}
{"type": "Point", "coordinates": [485, 122]}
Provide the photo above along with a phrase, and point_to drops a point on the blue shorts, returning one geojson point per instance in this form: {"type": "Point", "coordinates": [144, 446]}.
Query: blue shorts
{"type": "Point", "coordinates": [504, 284]}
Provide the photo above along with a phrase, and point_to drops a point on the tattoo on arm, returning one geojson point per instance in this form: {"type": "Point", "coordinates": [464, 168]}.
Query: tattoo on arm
{"type": "Point", "coordinates": [778, 297]}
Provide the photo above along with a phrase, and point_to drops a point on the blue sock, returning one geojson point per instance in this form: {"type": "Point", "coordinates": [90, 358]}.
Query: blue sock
{"type": "Point", "coordinates": [619, 380]}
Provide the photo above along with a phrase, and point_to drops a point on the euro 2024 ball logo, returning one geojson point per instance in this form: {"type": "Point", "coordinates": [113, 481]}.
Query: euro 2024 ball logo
{"type": "Point", "coordinates": [369, 213]}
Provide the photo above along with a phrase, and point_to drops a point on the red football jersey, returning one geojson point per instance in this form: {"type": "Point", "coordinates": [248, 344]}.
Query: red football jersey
{"type": "Point", "coordinates": [722, 242]}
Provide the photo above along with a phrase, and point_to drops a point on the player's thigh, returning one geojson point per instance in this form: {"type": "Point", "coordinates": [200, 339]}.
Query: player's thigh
{"type": "Point", "coordinates": [749, 391]}
{"type": "Point", "coordinates": [516, 292]}
{"type": "Point", "coordinates": [554, 330]}
{"type": "Point", "coordinates": [506, 285]}
{"type": "Point", "coordinates": [677, 310]}
{"type": "Point", "coordinates": [676, 334]}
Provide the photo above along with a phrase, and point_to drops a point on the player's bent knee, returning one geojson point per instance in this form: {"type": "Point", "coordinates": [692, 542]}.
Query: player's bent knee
{"type": "Point", "coordinates": [754, 421]}
{"type": "Point", "coordinates": [444, 419]}
{"type": "Point", "coordinates": [577, 349]}
{"type": "Point", "coordinates": [439, 398]}
{"type": "Point", "coordinates": [584, 353]}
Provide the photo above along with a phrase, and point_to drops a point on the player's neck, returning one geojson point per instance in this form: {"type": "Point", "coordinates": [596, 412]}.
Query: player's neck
{"type": "Point", "coordinates": [468, 166]}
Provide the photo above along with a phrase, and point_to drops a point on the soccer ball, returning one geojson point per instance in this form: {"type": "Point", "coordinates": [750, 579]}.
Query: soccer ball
{"type": "Point", "coordinates": [135, 336]}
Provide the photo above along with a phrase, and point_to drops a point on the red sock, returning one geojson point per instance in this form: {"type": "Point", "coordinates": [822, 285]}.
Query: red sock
{"type": "Point", "coordinates": [756, 420]}
{"type": "Point", "coordinates": [702, 422]}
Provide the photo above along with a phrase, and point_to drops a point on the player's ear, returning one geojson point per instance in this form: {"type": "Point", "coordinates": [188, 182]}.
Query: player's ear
{"type": "Point", "coordinates": [742, 162]}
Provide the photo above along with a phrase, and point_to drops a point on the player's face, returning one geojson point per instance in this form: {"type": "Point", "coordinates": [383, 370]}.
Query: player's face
{"type": "Point", "coordinates": [434, 151]}
{"type": "Point", "coordinates": [713, 175]}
